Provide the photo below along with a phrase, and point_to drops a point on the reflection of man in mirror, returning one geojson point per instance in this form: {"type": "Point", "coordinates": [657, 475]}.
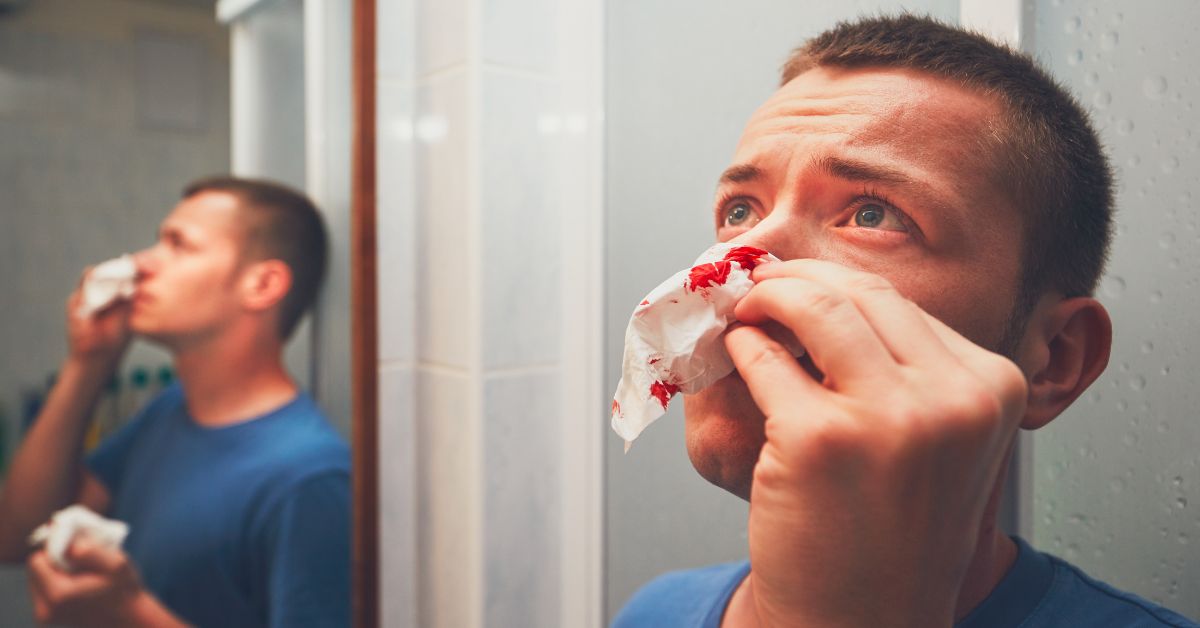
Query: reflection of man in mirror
{"type": "Point", "coordinates": [234, 485]}
{"type": "Point", "coordinates": [943, 209]}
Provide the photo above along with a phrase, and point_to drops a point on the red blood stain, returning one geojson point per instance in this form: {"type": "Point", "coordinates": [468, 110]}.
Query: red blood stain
{"type": "Point", "coordinates": [645, 302]}
{"type": "Point", "coordinates": [616, 408]}
{"type": "Point", "coordinates": [717, 273]}
{"type": "Point", "coordinates": [746, 256]}
{"type": "Point", "coordinates": [654, 360]}
{"type": "Point", "coordinates": [711, 274]}
{"type": "Point", "coordinates": [663, 392]}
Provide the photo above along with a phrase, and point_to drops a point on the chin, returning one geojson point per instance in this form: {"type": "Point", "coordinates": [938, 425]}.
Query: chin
{"type": "Point", "coordinates": [725, 434]}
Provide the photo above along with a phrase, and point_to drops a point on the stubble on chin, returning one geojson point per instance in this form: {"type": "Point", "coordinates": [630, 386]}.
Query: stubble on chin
{"type": "Point", "coordinates": [724, 432]}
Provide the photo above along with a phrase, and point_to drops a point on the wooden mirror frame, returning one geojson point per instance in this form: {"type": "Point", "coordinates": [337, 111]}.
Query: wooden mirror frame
{"type": "Point", "coordinates": [364, 324]}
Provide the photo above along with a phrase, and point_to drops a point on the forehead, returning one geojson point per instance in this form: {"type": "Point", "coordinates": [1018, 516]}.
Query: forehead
{"type": "Point", "coordinates": [207, 215]}
{"type": "Point", "coordinates": [930, 126]}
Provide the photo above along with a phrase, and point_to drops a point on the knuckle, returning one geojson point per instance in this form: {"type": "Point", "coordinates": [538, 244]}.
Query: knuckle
{"type": "Point", "coordinates": [819, 300]}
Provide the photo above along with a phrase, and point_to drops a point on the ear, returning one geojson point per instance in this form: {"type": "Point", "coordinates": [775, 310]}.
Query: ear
{"type": "Point", "coordinates": [1066, 347]}
{"type": "Point", "coordinates": [264, 284]}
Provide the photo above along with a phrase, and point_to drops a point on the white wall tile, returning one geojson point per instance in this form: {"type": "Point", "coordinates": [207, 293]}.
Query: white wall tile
{"type": "Point", "coordinates": [394, 33]}
{"type": "Point", "coordinates": [396, 223]}
{"type": "Point", "coordinates": [521, 129]}
{"type": "Point", "coordinates": [445, 512]}
{"type": "Point", "coordinates": [441, 35]}
{"type": "Point", "coordinates": [443, 178]}
{"type": "Point", "coordinates": [397, 503]}
{"type": "Point", "coordinates": [522, 499]}
{"type": "Point", "coordinates": [520, 33]}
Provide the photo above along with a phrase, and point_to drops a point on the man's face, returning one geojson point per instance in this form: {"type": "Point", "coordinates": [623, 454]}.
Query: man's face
{"type": "Point", "coordinates": [885, 171]}
{"type": "Point", "coordinates": [187, 280]}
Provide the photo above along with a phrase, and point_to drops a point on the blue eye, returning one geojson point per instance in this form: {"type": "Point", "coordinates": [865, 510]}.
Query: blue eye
{"type": "Point", "coordinates": [877, 216]}
{"type": "Point", "coordinates": [737, 214]}
{"type": "Point", "coordinates": [870, 216]}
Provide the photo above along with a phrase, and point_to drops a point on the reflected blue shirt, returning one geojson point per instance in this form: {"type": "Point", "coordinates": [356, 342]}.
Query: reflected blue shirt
{"type": "Point", "coordinates": [243, 525]}
{"type": "Point", "coordinates": [1039, 591]}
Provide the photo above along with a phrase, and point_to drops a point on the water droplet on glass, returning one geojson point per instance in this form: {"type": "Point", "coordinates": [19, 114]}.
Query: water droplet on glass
{"type": "Point", "coordinates": [1112, 286]}
{"type": "Point", "coordinates": [1091, 78]}
{"type": "Point", "coordinates": [1147, 347]}
{"type": "Point", "coordinates": [1072, 25]}
{"type": "Point", "coordinates": [1109, 41]}
{"type": "Point", "coordinates": [1075, 58]}
{"type": "Point", "coordinates": [1156, 296]}
{"type": "Point", "coordinates": [1154, 87]}
{"type": "Point", "coordinates": [1177, 482]}
{"type": "Point", "coordinates": [1125, 126]}
{"type": "Point", "coordinates": [1122, 406]}
{"type": "Point", "coordinates": [1170, 164]}
{"type": "Point", "coordinates": [1183, 539]}
{"type": "Point", "coordinates": [1130, 439]}
{"type": "Point", "coordinates": [1102, 99]}
{"type": "Point", "coordinates": [1181, 503]}
{"type": "Point", "coordinates": [1134, 161]}
{"type": "Point", "coordinates": [1072, 551]}
{"type": "Point", "coordinates": [1137, 382]}
{"type": "Point", "coordinates": [1166, 240]}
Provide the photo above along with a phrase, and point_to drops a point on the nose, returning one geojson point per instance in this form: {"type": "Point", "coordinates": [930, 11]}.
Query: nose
{"type": "Point", "coordinates": [781, 234]}
{"type": "Point", "coordinates": [145, 262]}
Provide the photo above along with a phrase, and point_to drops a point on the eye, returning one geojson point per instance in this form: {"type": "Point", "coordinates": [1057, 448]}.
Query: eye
{"type": "Point", "coordinates": [874, 215]}
{"type": "Point", "coordinates": [737, 214]}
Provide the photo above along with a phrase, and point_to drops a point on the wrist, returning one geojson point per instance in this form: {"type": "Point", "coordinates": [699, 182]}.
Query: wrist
{"type": "Point", "coordinates": [144, 610]}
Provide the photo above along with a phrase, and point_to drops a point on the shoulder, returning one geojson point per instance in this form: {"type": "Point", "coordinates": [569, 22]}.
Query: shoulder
{"type": "Point", "coordinates": [1077, 599]}
{"type": "Point", "coordinates": [683, 598]}
{"type": "Point", "coordinates": [300, 440]}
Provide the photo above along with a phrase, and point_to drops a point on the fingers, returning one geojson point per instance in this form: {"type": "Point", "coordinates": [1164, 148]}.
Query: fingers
{"type": "Point", "coordinates": [86, 555]}
{"type": "Point", "coordinates": [775, 379]}
{"type": "Point", "coordinates": [828, 324]}
{"type": "Point", "coordinates": [900, 324]}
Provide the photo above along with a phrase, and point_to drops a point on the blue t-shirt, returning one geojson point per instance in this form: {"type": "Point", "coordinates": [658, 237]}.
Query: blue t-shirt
{"type": "Point", "coordinates": [1039, 591]}
{"type": "Point", "coordinates": [243, 525]}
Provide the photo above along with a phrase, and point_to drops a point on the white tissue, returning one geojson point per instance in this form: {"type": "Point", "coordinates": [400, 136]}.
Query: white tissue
{"type": "Point", "coordinates": [107, 282]}
{"type": "Point", "coordinates": [675, 339]}
{"type": "Point", "coordinates": [69, 522]}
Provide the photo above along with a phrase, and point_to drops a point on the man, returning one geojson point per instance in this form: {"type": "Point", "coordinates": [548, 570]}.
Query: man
{"type": "Point", "coordinates": [943, 209]}
{"type": "Point", "coordinates": [235, 487]}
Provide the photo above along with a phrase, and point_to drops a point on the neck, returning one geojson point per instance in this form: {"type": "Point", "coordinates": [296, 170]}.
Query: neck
{"type": "Point", "coordinates": [233, 377]}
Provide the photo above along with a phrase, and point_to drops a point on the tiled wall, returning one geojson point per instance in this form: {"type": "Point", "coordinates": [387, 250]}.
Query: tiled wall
{"type": "Point", "coordinates": [1117, 477]}
{"type": "Point", "coordinates": [480, 128]}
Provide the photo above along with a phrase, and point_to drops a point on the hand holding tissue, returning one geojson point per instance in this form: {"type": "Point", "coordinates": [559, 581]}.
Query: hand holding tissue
{"type": "Point", "coordinates": [66, 524]}
{"type": "Point", "coordinates": [106, 283]}
{"type": "Point", "coordinates": [675, 339]}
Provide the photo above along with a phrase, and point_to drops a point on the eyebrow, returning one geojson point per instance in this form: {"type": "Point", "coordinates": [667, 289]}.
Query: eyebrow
{"type": "Point", "coordinates": [853, 170]}
{"type": "Point", "coordinates": [742, 174]}
{"type": "Point", "coordinates": [840, 167]}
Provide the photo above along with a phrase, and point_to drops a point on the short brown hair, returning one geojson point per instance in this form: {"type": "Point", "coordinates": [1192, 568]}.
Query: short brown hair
{"type": "Point", "coordinates": [1049, 155]}
{"type": "Point", "coordinates": [282, 224]}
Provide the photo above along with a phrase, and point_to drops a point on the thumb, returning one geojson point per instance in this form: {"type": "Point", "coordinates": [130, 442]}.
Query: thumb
{"type": "Point", "coordinates": [84, 554]}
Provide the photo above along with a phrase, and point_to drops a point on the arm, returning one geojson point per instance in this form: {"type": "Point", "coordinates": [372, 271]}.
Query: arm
{"type": "Point", "coordinates": [307, 545]}
{"type": "Point", "coordinates": [47, 471]}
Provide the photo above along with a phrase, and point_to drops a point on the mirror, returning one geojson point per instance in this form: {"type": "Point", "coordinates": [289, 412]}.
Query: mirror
{"type": "Point", "coordinates": [107, 109]}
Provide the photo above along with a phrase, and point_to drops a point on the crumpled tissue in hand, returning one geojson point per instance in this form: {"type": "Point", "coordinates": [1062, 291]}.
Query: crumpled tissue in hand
{"type": "Point", "coordinates": [107, 282]}
{"type": "Point", "coordinates": [675, 339]}
{"type": "Point", "coordinates": [63, 527]}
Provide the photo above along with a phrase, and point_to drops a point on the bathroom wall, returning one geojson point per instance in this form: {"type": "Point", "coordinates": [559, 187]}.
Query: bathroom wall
{"type": "Point", "coordinates": [488, 118]}
{"type": "Point", "coordinates": [1117, 477]}
{"type": "Point", "coordinates": [107, 107]}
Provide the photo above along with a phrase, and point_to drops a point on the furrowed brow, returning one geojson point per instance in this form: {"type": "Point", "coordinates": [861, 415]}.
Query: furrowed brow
{"type": "Point", "coordinates": [742, 174]}
{"type": "Point", "coordinates": [852, 170]}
